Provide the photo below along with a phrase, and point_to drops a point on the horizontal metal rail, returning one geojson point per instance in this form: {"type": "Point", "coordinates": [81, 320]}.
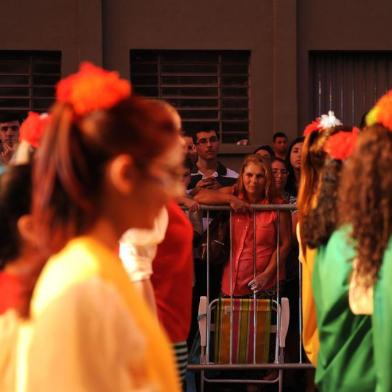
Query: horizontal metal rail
{"type": "Point", "coordinates": [255, 207]}
{"type": "Point", "coordinates": [282, 366]}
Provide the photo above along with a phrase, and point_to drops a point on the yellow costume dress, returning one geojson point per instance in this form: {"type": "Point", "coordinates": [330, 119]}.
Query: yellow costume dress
{"type": "Point", "coordinates": [90, 329]}
{"type": "Point", "coordinates": [310, 338]}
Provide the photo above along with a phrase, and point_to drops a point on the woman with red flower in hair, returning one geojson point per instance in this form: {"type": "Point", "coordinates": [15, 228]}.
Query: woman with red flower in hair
{"type": "Point", "coordinates": [365, 209]}
{"type": "Point", "coordinates": [103, 167]}
{"type": "Point", "coordinates": [340, 365]}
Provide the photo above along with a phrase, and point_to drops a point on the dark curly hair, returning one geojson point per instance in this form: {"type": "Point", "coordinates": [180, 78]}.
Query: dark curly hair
{"type": "Point", "coordinates": [365, 199]}
{"type": "Point", "coordinates": [312, 165]}
{"type": "Point", "coordinates": [322, 220]}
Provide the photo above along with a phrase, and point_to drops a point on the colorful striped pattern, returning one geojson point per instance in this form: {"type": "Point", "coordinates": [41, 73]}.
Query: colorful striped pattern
{"type": "Point", "coordinates": [243, 330]}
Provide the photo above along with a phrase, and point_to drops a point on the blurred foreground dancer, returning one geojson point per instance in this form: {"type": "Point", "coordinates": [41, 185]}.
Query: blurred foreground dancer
{"type": "Point", "coordinates": [103, 167]}
{"type": "Point", "coordinates": [20, 259]}
{"type": "Point", "coordinates": [312, 161]}
{"type": "Point", "coordinates": [160, 264]}
{"type": "Point", "coordinates": [366, 206]}
{"type": "Point", "coordinates": [345, 359]}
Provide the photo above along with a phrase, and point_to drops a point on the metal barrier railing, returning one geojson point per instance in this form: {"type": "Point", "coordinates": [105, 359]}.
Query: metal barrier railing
{"type": "Point", "coordinates": [279, 363]}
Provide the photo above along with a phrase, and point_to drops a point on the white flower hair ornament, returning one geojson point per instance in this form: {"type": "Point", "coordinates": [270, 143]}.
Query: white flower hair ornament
{"type": "Point", "coordinates": [329, 120]}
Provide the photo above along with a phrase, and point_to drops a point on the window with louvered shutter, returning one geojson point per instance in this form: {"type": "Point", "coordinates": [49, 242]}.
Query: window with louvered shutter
{"type": "Point", "coordinates": [210, 89]}
{"type": "Point", "coordinates": [348, 82]}
{"type": "Point", "coordinates": [27, 80]}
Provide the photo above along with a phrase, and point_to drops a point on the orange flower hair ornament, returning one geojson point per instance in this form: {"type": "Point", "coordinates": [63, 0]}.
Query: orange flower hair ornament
{"type": "Point", "coordinates": [381, 112]}
{"type": "Point", "coordinates": [30, 134]}
{"type": "Point", "coordinates": [33, 128]}
{"type": "Point", "coordinates": [92, 88]}
{"type": "Point", "coordinates": [325, 121]}
{"type": "Point", "coordinates": [341, 144]}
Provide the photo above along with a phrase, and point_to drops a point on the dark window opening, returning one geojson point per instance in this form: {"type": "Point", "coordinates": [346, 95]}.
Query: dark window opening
{"type": "Point", "coordinates": [27, 80]}
{"type": "Point", "coordinates": [349, 83]}
{"type": "Point", "coordinates": [210, 89]}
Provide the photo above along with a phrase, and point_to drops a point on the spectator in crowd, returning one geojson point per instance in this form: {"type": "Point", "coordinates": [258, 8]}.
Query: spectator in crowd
{"type": "Point", "coordinates": [366, 208]}
{"type": "Point", "coordinates": [279, 144]}
{"type": "Point", "coordinates": [266, 152]}
{"type": "Point", "coordinates": [9, 133]}
{"type": "Point", "coordinates": [190, 148]}
{"type": "Point", "coordinates": [209, 172]}
{"type": "Point", "coordinates": [108, 161]}
{"type": "Point", "coordinates": [293, 162]}
{"type": "Point", "coordinates": [254, 186]}
{"type": "Point", "coordinates": [279, 175]}
{"type": "Point", "coordinates": [193, 207]}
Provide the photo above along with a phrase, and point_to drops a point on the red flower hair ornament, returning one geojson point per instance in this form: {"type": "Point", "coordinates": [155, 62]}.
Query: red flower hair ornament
{"type": "Point", "coordinates": [341, 144]}
{"type": "Point", "coordinates": [312, 127]}
{"type": "Point", "coordinates": [92, 88]}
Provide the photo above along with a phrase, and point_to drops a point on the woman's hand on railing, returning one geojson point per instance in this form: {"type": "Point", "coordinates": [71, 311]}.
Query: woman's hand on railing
{"type": "Point", "coordinates": [239, 205]}
{"type": "Point", "coordinates": [190, 204]}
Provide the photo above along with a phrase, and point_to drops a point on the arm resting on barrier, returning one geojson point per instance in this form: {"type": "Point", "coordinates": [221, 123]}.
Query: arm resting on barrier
{"type": "Point", "coordinates": [221, 196]}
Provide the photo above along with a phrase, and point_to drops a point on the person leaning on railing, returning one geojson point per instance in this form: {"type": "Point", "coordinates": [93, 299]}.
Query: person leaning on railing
{"type": "Point", "coordinates": [253, 273]}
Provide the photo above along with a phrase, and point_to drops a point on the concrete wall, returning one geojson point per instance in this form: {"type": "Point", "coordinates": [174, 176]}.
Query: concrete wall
{"type": "Point", "coordinates": [72, 26]}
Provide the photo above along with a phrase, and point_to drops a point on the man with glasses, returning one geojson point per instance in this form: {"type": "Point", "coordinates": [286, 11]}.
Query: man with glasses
{"type": "Point", "coordinates": [9, 134]}
{"type": "Point", "coordinates": [209, 172]}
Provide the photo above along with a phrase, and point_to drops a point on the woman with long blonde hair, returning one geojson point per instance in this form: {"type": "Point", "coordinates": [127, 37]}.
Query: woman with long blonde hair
{"type": "Point", "coordinates": [254, 186]}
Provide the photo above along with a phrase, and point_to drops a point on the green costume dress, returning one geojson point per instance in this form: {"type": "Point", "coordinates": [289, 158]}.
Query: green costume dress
{"type": "Point", "coordinates": [382, 323]}
{"type": "Point", "coordinates": [345, 361]}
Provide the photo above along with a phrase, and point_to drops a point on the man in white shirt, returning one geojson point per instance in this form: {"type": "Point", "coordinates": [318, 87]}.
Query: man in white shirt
{"type": "Point", "coordinates": [209, 172]}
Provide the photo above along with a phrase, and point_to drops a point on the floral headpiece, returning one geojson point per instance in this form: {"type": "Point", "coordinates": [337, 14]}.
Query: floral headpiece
{"type": "Point", "coordinates": [341, 144]}
{"type": "Point", "coordinates": [325, 121]}
{"type": "Point", "coordinates": [30, 134]}
{"type": "Point", "coordinates": [381, 112]}
{"type": "Point", "coordinates": [92, 88]}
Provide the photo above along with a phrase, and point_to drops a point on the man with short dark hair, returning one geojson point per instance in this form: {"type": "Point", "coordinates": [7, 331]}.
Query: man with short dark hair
{"type": "Point", "coordinates": [209, 172]}
{"type": "Point", "coordinates": [9, 134]}
{"type": "Point", "coordinates": [279, 144]}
